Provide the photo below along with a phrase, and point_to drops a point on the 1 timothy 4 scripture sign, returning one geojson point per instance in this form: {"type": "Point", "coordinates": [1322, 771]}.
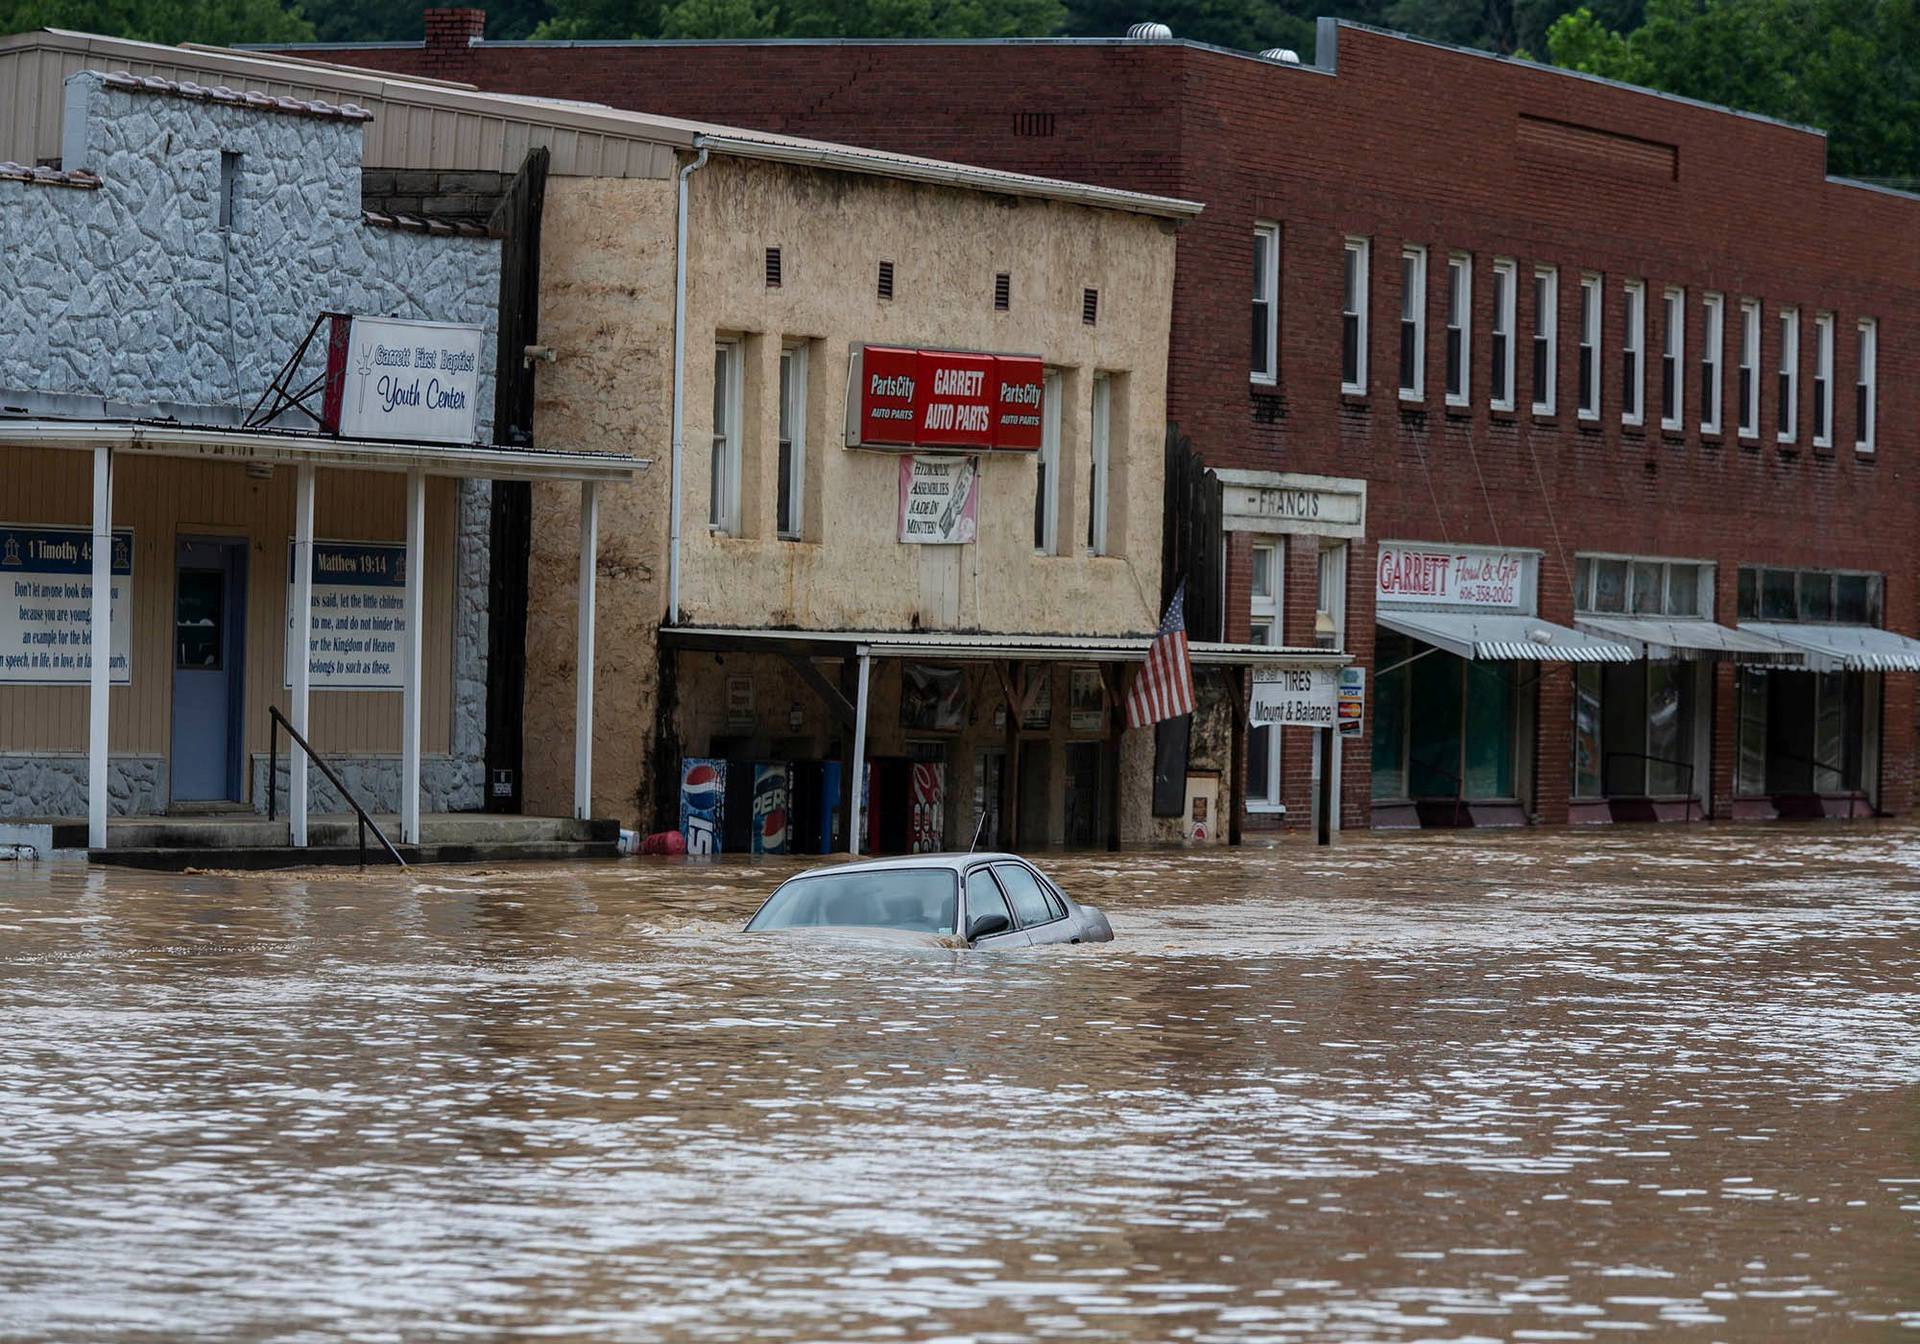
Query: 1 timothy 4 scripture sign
{"type": "Point", "coordinates": [46, 606]}
{"type": "Point", "coordinates": [393, 378]}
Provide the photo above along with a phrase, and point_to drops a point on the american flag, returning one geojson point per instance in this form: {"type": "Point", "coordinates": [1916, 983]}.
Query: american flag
{"type": "Point", "coordinates": [1164, 687]}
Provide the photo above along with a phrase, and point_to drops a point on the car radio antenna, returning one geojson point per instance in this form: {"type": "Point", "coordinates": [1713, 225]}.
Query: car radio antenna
{"type": "Point", "coordinates": [979, 826]}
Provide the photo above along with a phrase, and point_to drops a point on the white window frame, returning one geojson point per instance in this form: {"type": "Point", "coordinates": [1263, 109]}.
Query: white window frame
{"type": "Point", "coordinates": [1823, 380]}
{"type": "Point", "coordinates": [723, 477]}
{"type": "Point", "coordinates": [1867, 349]}
{"type": "Point", "coordinates": [1633, 344]}
{"type": "Point", "coordinates": [1750, 365]}
{"type": "Point", "coordinates": [1266, 238]}
{"type": "Point", "coordinates": [1100, 487]}
{"type": "Point", "coordinates": [1546, 328]}
{"type": "Point", "coordinates": [793, 410]}
{"type": "Point", "coordinates": [1047, 469]}
{"type": "Point", "coordinates": [1460, 322]}
{"type": "Point", "coordinates": [1713, 390]}
{"type": "Point", "coordinates": [1592, 319]}
{"type": "Point", "coordinates": [1413, 296]}
{"type": "Point", "coordinates": [1358, 249]}
{"type": "Point", "coordinates": [1789, 369]}
{"type": "Point", "coordinates": [1505, 319]}
{"type": "Point", "coordinates": [1673, 352]}
{"type": "Point", "coordinates": [1270, 609]}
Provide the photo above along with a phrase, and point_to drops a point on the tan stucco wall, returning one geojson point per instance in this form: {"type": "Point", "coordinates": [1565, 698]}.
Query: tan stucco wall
{"type": "Point", "coordinates": [607, 310]}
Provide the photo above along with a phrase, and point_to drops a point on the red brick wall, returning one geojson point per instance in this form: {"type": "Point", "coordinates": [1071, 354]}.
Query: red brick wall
{"type": "Point", "coordinates": [1409, 142]}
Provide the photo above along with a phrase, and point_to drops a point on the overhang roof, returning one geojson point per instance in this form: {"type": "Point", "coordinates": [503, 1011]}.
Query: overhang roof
{"type": "Point", "coordinates": [489, 462]}
{"type": "Point", "coordinates": [1502, 636]}
{"type": "Point", "coordinates": [986, 647]}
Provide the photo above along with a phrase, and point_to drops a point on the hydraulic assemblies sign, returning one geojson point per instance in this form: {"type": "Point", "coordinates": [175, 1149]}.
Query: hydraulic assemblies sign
{"type": "Point", "coordinates": [901, 398]}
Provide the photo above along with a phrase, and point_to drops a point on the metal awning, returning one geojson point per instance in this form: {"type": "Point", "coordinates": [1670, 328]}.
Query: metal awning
{"type": "Point", "coordinates": [1848, 648]}
{"type": "Point", "coordinates": [986, 647]}
{"type": "Point", "coordinates": [1658, 637]}
{"type": "Point", "coordinates": [1503, 637]}
{"type": "Point", "coordinates": [476, 461]}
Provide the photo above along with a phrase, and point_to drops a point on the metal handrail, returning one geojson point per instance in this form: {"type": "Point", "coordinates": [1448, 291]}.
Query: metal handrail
{"type": "Point", "coordinates": [1607, 760]}
{"type": "Point", "coordinates": [1853, 794]}
{"type": "Point", "coordinates": [279, 721]}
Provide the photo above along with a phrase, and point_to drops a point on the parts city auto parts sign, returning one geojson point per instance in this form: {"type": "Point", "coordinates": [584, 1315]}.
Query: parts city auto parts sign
{"type": "Point", "coordinates": [899, 398]}
{"type": "Point", "coordinates": [389, 378]}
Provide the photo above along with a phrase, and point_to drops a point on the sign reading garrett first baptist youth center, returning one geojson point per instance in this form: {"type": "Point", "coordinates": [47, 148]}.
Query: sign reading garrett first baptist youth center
{"type": "Point", "coordinates": [944, 399]}
{"type": "Point", "coordinates": [46, 606]}
{"type": "Point", "coordinates": [391, 378]}
{"type": "Point", "coordinates": [359, 616]}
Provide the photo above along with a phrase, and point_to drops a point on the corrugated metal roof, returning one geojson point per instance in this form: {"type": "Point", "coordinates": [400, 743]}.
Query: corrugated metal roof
{"type": "Point", "coordinates": [1851, 648]}
{"type": "Point", "coordinates": [993, 647]}
{"type": "Point", "coordinates": [1660, 637]}
{"type": "Point", "coordinates": [1503, 637]}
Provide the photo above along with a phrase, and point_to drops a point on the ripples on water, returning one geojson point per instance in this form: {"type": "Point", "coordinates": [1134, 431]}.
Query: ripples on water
{"type": "Point", "coordinates": [1658, 1082]}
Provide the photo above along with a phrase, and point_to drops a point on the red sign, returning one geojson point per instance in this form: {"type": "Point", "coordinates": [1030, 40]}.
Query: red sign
{"type": "Point", "coordinates": [944, 399]}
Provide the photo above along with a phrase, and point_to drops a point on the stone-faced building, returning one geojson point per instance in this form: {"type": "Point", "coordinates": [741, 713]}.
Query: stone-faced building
{"type": "Point", "coordinates": [173, 271]}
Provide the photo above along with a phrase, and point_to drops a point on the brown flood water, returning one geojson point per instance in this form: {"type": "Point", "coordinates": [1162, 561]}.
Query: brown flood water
{"type": "Point", "coordinates": [1653, 1083]}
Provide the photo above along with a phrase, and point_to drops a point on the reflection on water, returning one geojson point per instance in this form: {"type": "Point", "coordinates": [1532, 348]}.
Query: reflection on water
{"type": "Point", "coordinates": [1547, 1086]}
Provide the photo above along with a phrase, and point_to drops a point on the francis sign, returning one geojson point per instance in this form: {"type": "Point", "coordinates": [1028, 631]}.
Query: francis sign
{"type": "Point", "coordinates": [392, 378]}
{"type": "Point", "coordinates": [46, 606]}
{"type": "Point", "coordinates": [900, 398]}
{"type": "Point", "coordinates": [359, 616]}
{"type": "Point", "coordinates": [939, 500]}
{"type": "Point", "coordinates": [1295, 697]}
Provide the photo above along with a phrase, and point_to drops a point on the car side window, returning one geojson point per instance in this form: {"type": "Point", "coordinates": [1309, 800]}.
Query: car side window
{"type": "Point", "coordinates": [1029, 897]}
{"type": "Point", "coordinates": [984, 898]}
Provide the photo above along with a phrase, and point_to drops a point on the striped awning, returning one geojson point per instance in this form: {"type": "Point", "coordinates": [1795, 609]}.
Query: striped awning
{"type": "Point", "coordinates": [1848, 648]}
{"type": "Point", "coordinates": [1658, 637]}
{"type": "Point", "coordinates": [1504, 637]}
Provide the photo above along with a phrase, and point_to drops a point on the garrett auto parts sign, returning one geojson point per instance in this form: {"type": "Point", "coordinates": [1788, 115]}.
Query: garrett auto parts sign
{"type": "Point", "coordinates": [900, 398]}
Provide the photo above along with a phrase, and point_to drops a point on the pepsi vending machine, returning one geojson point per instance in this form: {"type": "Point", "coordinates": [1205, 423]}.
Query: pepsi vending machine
{"type": "Point", "coordinates": [772, 806]}
{"type": "Point", "coordinates": [703, 803]}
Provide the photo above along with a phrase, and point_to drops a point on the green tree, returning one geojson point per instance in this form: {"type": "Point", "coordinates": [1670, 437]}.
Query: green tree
{"type": "Point", "coordinates": [801, 18]}
{"type": "Point", "coordinates": [1850, 67]}
{"type": "Point", "coordinates": [219, 22]}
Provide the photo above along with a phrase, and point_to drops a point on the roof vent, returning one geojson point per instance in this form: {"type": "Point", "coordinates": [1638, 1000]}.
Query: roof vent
{"type": "Point", "coordinates": [1284, 55]}
{"type": "Point", "coordinates": [1150, 32]}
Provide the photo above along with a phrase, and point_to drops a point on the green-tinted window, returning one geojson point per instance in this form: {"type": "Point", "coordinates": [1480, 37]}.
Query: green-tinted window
{"type": "Point", "coordinates": [1489, 730]}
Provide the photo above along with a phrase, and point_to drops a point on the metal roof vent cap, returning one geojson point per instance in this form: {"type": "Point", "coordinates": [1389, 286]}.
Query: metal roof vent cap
{"type": "Point", "coordinates": [1150, 32]}
{"type": "Point", "coordinates": [1284, 55]}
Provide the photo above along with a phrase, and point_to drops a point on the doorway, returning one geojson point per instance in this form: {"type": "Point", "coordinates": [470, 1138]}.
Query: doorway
{"type": "Point", "coordinates": [1086, 796]}
{"type": "Point", "coordinates": [209, 689]}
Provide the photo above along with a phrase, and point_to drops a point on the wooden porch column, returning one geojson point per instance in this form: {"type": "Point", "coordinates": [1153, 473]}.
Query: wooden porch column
{"type": "Point", "coordinates": [1237, 756]}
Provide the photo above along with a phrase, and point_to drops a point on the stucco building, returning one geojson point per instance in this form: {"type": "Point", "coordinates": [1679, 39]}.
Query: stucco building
{"type": "Point", "coordinates": [1581, 413]}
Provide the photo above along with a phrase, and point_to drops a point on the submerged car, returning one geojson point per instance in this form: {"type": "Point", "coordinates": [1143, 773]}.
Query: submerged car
{"type": "Point", "coordinates": [951, 900]}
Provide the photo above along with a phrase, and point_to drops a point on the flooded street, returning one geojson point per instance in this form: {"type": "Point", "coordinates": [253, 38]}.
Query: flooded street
{"type": "Point", "coordinates": [1659, 1083]}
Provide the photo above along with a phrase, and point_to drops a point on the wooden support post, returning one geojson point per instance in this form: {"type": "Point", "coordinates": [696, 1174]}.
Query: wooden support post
{"type": "Point", "coordinates": [855, 815]}
{"type": "Point", "coordinates": [583, 672]}
{"type": "Point", "coordinates": [1013, 684]}
{"type": "Point", "coordinates": [99, 647]}
{"type": "Point", "coordinates": [1114, 680]}
{"type": "Point", "coordinates": [1323, 828]}
{"type": "Point", "coordinates": [1237, 757]}
{"type": "Point", "coordinates": [411, 662]}
{"type": "Point", "coordinates": [300, 696]}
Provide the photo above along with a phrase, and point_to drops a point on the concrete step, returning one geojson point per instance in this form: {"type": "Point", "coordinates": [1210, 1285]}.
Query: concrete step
{"type": "Point", "coordinates": [256, 857]}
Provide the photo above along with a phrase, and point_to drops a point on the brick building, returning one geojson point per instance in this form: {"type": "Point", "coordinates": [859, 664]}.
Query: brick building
{"type": "Point", "coordinates": [1581, 414]}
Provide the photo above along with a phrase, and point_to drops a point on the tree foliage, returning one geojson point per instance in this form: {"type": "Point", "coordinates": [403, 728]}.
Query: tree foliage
{"type": "Point", "coordinates": [1851, 67]}
{"type": "Point", "coordinates": [802, 18]}
{"type": "Point", "coordinates": [221, 22]}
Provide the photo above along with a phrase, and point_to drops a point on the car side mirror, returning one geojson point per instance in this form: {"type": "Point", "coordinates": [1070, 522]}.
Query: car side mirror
{"type": "Point", "coordinates": [985, 926]}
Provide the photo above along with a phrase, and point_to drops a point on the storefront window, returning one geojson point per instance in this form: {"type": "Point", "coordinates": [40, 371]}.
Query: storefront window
{"type": "Point", "coordinates": [1586, 730]}
{"type": "Point", "coordinates": [1390, 652]}
{"type": "Point", "coordinates": [1489, 730]}
{"type": "Point", "coordinates": [1800, 732]}
{"type": "Point", "coordinates": [1633, 729]}
{"type": "Point", "coordinates": [1263, 627]}
{"type": "Point", "coordinates": [1750, 710]}
{"type": "Point", "coordinates": [1669, 727]}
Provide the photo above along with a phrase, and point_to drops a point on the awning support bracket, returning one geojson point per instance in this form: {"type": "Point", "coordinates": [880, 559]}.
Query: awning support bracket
{"type": "Point", "coordinates": [836, 703]}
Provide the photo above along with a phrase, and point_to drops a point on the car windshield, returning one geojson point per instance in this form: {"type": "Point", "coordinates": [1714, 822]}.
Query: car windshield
{"type": "Point", "coordinates": [920, 899]}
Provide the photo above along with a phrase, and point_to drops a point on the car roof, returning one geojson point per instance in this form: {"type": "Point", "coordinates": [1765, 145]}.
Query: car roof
{"type": "Point", "coordinates": [947, 861]}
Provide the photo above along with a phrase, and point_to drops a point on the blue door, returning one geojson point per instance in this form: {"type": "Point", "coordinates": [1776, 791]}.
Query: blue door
{"type": "Point", "coordinates": [209, 639]}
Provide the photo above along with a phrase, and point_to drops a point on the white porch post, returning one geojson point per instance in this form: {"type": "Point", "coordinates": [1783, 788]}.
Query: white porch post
{"type": "Point", "coordinates": [301, 651]}
{"type": "Point", "coordinates": [100, 635]}
{"type": "Point", "coordinates": [410, 659]}
{"type": "Point", "coordinates": [583, 656]}
{"type": "Point", "coordinates": [859, 755]}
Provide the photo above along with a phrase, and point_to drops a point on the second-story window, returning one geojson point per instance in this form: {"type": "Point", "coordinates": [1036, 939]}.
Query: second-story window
{"type": "Point", "coordinates": [1500, 348]}
{"type": "Point", "coordinates": [723, 508]}
{"type": "Point", "coordinates": [1589, 347]}
{"type": "Point", "coordinates": [1673, 337]}
{"type": "Point", "coordinates": [1823, 380]}
{"type": "Point", "coordinates": [1353, 317]}
{"type": "Point", "coordinates": [1863, 407]}
{"type": "Point", "coordinates": [1749, 369]}
{"type": "Point", "coordinates": [1789, 376]}
{"type": "Point", "coordinates": [1633, 353]}
{"type": "Point", "coordinates": [790, 508]}
{"type": "Point", "coordinates": [1266, 303]}
{"type": "Point", "coordinates": [1713, 339]}
{"type": "Point", "coordinates": [1546, 322]}
{"type": "Point", "coordinates": [1413, 323]}
{"type": "Point", "coordinates": [1459, 326]}
{"type": "Point", "coordinates": [1099, 479]}
{"type": "Point", "coordinates": [1046, 485]}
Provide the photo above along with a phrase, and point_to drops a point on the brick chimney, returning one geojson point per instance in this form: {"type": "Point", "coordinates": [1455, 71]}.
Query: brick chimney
{"type": "Point", "coordinates": [451, 34]}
